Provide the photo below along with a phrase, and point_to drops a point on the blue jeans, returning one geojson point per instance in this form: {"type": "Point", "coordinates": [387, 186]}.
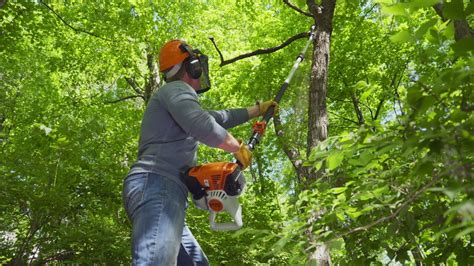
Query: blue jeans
{"type": "Point", "coordinates": [156, 207]}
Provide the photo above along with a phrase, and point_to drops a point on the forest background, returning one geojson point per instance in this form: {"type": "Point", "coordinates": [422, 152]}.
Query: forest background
{"type": "Point", "coordinates": [369, 162]}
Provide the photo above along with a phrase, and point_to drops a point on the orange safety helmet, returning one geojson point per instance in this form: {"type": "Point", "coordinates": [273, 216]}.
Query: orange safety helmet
{"type": "Point", "coordinates": [176, 52]}
{"type": "Point", "coordinates": [171, 54]}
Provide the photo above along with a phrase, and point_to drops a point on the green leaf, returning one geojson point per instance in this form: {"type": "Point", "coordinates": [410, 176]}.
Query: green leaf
{"type": "Point", "coordinates": [402, 37]}
{"type": "Point", "coordinates": [334, 160]}
{"type": "Point", "coordinates": [353, 213]}
{"type": "Point", "coordinates": [398, 9]}
{"type": "Point", "coordinates": [340, 215]}
{"type": "Point", "coordinates": [379, 191]}
{"type": "Point", "coordinates": [464, 232]}
{"type": "Point", "coordinates": [367, 92]}
{"type": "Point", "coordinates": [415, 4]}
{"type": "Point", "coordinates": [317, 165]}
{"type": "Point", "coordinates": [336, 244]}
{"type": "Point", "coordinates": [366, 157]}
{"type": "Point", "coordinates": [463, 46]}
{"type": "Point", "coordinates": [425, 27]}
{"type": "Point", "coordinates": [365, 196]}
{"type": "Point", "coordinates": [454, 9]}
{"type": "Point", "coordinates": [338, 190]}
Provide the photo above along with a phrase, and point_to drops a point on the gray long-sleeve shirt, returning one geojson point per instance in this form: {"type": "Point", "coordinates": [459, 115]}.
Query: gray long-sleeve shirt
{"type": "Point", "coordinates": [173, 124]}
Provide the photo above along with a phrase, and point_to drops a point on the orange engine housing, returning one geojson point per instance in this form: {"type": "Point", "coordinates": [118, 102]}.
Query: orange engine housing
{"type": "Point", "coordinates": [213, 176]}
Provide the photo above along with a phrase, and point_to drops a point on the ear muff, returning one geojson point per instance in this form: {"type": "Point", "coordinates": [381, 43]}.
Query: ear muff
{"type": "Point", "coordinates": [192, 63]}
{"type": "Point", "coordinates": [193, 67]}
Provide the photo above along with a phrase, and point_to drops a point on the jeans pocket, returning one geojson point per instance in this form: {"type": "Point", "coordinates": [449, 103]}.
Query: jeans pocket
{"type": "Point", "coordinates": [133, 192]}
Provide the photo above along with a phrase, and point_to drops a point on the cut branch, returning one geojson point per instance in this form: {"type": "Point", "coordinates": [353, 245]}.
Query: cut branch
{"type": "Point", "coordinates": [218, 51]}
{"type": "Point", "coordinates": [259, 51]}
{"type": "Point", "coordinates": [72, 27]}
{"type": "Point", "coordinates": [299, 10]}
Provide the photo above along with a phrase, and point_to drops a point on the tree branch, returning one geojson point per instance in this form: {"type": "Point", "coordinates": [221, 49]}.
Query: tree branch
{"type": "Point", "coordinates": [58, 257]}
{"type": "Point", "coordinates": [344, 118]}
{"type": "Point", "coordinates": [355, 101]}
{"type": "Point", "coordinates": [379, 108]}
{"type": "Point", "coordinates": [134, 85]}
{"type": "Point", "coordinates": [74, 28]}
{"type": "Point", "coordinates": [291, 153]}
{"type": "Point", "coordinates": [394, 214]}
{"type": "Point", "coordinates": [360, 116]}
{"type": "Point", "coordinates": [259, 51]}
{"type": "Point", "coordinates": [153, 78]}
{"type": "Point", "coordinates": [218, 51]}
{"type": "Point", "coordinates": [439, 10]}
{"type": "Point", "coordinates": [297, 9]}
{"type": "Point", "coordinates": [314, 8]}
{"type": "Point", "coordinates": [125, 98]}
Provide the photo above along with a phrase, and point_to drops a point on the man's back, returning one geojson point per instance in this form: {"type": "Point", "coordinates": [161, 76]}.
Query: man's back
{"type": "Point", "coordinates": [172, 124]}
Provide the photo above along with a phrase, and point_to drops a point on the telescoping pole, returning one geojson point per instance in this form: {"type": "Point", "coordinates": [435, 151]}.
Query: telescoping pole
{"type": "Point", "coordinates": [259, 127]}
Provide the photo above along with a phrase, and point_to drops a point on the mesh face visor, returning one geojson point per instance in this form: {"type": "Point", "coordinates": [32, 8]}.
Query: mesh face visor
{"type": "Point", "coordinates": [204, 78]}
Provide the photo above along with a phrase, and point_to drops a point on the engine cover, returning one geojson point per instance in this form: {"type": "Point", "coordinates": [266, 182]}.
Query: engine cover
{"type": "Point", "coordinates": [224, 176]}
{"type": "Point", "coordinates": [215, 188]}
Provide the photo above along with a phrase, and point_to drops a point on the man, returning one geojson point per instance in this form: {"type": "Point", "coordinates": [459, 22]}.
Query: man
{"type": "Point", "coordinates": [154, 196]}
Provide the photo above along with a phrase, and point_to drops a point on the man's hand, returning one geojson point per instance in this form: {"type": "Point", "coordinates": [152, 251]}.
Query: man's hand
{"type": "Point", "coordinates": [244, 155]}
{"type": "Point", "coordinates": [263, 107]}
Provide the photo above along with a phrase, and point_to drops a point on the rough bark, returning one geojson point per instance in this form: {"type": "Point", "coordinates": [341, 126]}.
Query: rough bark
{"type": "Point", "coordinates": [152, 81]}
{"type": "Point", "coordinates": [153, 78]}
{"type": "Point", "coordinates": [318, 116]}
{"type": "Point", "coordinates": [317, 111]}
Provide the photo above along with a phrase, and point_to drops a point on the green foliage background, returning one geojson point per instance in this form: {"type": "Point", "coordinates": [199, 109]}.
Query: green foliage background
{"type": "Point", "coordinates": [397, 187]}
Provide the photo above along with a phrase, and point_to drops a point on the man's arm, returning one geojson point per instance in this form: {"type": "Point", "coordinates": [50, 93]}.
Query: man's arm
{"type": "Point", "coordinates": [230, 144]}
{"type": "Point", "coordinates": [182, 104]}
{"type": "Point", "coordinates": [230, 118]}
{"type": "Point", "coordinates": [253, 111]}
{"type": "Point", "coordinates": [233, 117]}
{"type": "Point", "coordinates": [240, 150]}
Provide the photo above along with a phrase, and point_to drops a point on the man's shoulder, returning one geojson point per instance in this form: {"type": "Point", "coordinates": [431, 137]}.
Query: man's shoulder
{"type": "Point", "coordinates": [175, 87]}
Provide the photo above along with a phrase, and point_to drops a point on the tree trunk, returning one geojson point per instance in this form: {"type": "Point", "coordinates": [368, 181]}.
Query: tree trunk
{"type": "Point", "coordinates": [318, 116]}
{"type": "Point", "coordinates": [153, 81]}
{"type": "Point", "coordinates": [317, 111]}
{"type": "Point", "coordinates": [461, 26]}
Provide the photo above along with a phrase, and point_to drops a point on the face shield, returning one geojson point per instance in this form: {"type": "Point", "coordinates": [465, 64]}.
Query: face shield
{"type": "Point", "coordinates": [203, 66]}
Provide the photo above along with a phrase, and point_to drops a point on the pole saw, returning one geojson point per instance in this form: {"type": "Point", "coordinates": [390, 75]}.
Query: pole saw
{"type": "Point", "coordinates": [217, 186]}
